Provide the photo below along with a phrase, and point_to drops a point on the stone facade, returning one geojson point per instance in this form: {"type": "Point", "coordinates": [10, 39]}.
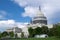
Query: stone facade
{"type": "Point", "coordinates": [16, 30]}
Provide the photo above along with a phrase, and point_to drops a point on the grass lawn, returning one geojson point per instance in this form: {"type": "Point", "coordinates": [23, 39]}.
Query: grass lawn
{"type": "Point", "coordinates": [50, 38]}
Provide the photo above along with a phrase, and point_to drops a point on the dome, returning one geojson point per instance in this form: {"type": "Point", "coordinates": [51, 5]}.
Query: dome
{"type": "Point", "coordinates": [39, 18]}
{"type": "Point", "coordinates": [39, 14]}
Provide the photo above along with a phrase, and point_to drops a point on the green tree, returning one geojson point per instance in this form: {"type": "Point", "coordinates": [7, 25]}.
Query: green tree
{"type": "Point", "coordinates": [22, 35]}
{"type": "Point", "coordinates": [38, 30]}
{"type": "Point", "coordinates": [57, 31]}
{"type": "Point", "coordinates": [0, 35]}
{"type": "Point", "coordinates": [30, 30]}
{"type": "Point", "coordinates": [33, 32]}
{"type": "Point", "coordinates": [52, 32]}
{"type": "Point", "coordinates": [4, 34]}
{"type": "Point", "coordinates": [11, 34]}
{"type": "Point", "coordinates": [44, 30]}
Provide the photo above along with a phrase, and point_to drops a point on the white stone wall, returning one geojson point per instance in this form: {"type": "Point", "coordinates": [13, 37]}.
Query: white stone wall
{"type": "Point", "coordinates": [50, 25]}
{"type": "Point", "coordinates": [19, 35]}
{"type": "Point", "coordinates": [25, 31]}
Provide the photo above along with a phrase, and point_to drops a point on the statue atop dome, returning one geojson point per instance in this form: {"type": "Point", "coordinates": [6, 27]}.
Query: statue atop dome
{"type": "Point", "coordinates": [40, 8]}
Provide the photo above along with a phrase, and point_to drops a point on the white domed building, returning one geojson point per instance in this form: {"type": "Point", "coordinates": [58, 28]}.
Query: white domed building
{"type": "Point", "coordinates": [37, 21]}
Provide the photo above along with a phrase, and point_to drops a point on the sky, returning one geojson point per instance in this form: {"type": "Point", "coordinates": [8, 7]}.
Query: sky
{"type": "Point", "coordinates": [19, 12]}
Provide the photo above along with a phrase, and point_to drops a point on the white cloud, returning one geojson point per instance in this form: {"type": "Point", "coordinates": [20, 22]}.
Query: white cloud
{"type": "Point", "coordinates": [12, 23]}
{"type": "Point", "coordinates": [49, 7]}
{"type": "Point", "coordinates": [37, 2]}
{"type": "Point", "coordinates": [5, 24]}
{"type": "Point", "coordinates": [30, 11]}
{"type": "Point", "coordinates": [27, 2]}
